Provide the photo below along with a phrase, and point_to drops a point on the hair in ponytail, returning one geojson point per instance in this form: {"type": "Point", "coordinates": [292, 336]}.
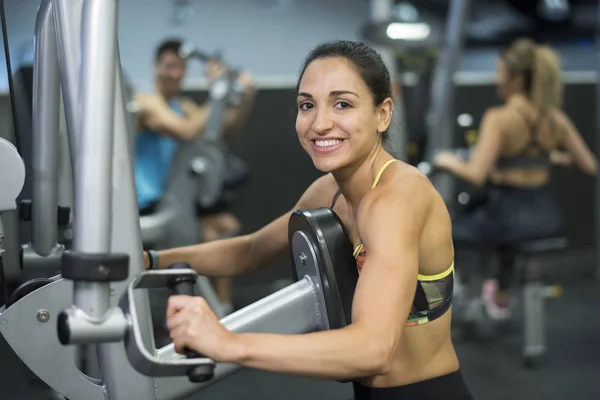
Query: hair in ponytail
{"type": "Point", "coordinates": [540, 68]}
{"type": "Point", "coordinates": [547, 86]}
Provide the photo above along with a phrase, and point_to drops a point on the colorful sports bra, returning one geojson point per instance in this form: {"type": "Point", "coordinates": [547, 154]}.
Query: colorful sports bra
{"type": "Point", "coordinates": [434, 292]}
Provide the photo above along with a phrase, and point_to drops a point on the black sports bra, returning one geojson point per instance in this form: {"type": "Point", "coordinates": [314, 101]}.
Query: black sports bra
{"type": "Point", "coordinates": [522, 160]}
{"type": "Point", "coordinates": [433, 296]}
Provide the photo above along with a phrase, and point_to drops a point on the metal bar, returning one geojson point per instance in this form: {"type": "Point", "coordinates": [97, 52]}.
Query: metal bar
{"type": "Point", "coordinates": [291, 310]}
{"type": "Point", "coordinates": [93, 181]}
{"type": "Point", "coordinates": [67, 17]}
{"type": "Point", "coordinates": [66, 196]}
{"type": "Point", "coordinates": [120, 379]}
{"type": "Point", "coordinates": [46, 121]}
{"type": "Point", "coordinates": [218, 106]}
{"type": "Point", "coordinates": [381, 11]}
{"type": "Point", "coordinates": [441, 129]}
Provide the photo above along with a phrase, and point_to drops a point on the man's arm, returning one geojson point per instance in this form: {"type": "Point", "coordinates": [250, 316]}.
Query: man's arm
{"type": "Point", "coordinates": [236, 117]}
{"type": "Point", "coordinates": [156, 115]}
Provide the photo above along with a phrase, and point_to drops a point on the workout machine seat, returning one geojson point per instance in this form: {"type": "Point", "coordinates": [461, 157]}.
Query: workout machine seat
{"type": "Point", "coordinates": [544, 245]}
{"type": "Point", "coordinates": [534, 293]}
{"type": "Point", "coordinates": [153, 226]}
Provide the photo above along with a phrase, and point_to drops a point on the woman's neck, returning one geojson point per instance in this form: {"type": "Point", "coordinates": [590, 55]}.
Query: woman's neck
{"type": "Point", "coordinates": [356, 179]}
{"type": "Point", "coordinates": [517, 97]}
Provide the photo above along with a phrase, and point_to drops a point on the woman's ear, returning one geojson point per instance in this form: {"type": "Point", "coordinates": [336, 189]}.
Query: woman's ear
{"type": "Point", "coordinates": [384, 112]}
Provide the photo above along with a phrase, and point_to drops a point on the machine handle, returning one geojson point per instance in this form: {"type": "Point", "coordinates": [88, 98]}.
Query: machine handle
{"type": "Point", "coordinates": [185, 286]}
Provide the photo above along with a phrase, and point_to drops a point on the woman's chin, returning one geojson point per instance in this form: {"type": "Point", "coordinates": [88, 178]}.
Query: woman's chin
{"type": "Point", "coordinates": [325, 165]}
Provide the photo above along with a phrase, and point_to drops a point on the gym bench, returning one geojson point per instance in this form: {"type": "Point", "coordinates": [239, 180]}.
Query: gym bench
{"type": "Point", "coordinates": [535, 292]}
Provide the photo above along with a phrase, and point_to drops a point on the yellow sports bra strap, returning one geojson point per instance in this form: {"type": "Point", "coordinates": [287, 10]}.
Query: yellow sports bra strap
{"type": "Point", "coordinates": [439, 276]}
{"type": "Point", "coordinates": [381, 171]}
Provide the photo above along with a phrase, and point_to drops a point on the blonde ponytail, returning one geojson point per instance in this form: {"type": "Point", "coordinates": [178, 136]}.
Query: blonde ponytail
{"type": "Point", "coordinates": [540, 68]}
{"type": "Point", "coordinates": [547, 86]}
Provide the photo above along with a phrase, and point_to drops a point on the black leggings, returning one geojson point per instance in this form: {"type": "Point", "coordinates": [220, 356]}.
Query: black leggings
{"type": "Point", "coordinates": [446, 387]}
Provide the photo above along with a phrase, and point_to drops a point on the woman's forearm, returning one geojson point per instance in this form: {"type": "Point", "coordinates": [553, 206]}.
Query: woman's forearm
{"type": "Point", "coordinates": [466, 172]}
{"type": "Point", "coordinates": [324, 355]}
{"type": "Point", "coordinates": [220, 258]}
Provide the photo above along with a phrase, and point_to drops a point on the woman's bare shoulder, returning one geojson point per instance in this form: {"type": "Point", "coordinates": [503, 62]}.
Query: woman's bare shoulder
{"type": "Point", "coordinates": [320, 193]}
{"type": "Point", "coordinates": [404, 183]}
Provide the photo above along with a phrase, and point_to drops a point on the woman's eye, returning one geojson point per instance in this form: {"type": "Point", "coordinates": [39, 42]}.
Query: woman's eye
{"type": "Point", "coordinates": [305, 106]}
{"type": "Point", "coordinates": [343, 104]}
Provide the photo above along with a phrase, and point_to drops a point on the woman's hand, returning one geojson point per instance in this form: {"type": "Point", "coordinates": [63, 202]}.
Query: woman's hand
{"type": "Point", "coordinates": [561, 158]}
{"type": "Point", "coordinates": [444, 159]}
{"type": "Point", "coordinates": [194, 326]}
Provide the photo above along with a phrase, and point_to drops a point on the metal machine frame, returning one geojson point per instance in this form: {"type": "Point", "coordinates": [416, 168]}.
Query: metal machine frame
{"type": "Point", "coordinates": [197, 176]}
{"type": "Point", "coordinates": [94, 301]}
{"type": "Point", "coordinates": [440, 115]}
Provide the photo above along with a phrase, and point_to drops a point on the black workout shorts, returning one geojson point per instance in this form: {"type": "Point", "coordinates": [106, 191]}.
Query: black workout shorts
{"type": "Point", "coordinates": [149, 209]}
{"type": "Point", "coordinates": [446, 387]}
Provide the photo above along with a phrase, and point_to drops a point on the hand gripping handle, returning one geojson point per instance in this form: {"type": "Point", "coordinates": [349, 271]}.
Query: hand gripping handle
{"type": "Point", "coordinates": [185, 286]}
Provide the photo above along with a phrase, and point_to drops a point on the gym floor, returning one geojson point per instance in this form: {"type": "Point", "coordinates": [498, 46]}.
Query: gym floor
{"type": "Point", "coordinates": [492, 367]}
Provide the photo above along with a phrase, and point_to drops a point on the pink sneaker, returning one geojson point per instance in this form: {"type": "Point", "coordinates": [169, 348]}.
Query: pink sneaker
{"type": "Point", "coordinates": [499, 312]}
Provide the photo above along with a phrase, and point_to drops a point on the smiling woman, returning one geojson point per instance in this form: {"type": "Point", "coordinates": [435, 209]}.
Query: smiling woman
{"type": "Point", "coordinates": [398, 344]}
{"type": "Point", "coordinates": [343, 66]}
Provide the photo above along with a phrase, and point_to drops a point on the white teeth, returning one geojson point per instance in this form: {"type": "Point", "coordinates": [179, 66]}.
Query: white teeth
{"type": "Point", "coordinates": [327, 143]}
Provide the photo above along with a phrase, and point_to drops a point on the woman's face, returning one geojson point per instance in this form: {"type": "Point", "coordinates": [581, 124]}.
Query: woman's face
{"type": "Point", "coordinates": [337, 123]}
{"type": "Point", "coordinates": [506, 84]}
{"type": "Point", "coordinates": [501, 79]}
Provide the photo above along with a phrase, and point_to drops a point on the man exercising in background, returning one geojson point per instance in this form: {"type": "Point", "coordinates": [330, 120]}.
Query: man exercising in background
{"type": "Point", "coordinates": [167, 118]}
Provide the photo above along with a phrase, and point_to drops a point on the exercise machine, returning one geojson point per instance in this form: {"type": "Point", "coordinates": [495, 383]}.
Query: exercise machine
{"type": "Point", "coordinates": [51, 172]}
{"type": "Point", "coordinates": [202, 171]}
{"type": "Point", "coordinates": [440, 122]}
{"type": "Point", "coordinates": [97, 298]}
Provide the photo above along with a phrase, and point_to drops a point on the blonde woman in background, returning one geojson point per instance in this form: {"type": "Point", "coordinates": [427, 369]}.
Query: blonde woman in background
{"type": "Point", "coordinates": [517, 144]}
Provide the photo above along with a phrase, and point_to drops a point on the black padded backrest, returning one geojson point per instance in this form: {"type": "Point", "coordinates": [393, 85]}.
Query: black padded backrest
{"type": "Point", "coordinates": [336, 264]}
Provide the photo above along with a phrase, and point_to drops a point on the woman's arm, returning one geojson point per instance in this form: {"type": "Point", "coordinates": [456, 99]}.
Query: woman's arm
{"type": "Point", "coordinates": [245, 253]}
{"type": "Point", "coordinates": [233, 256]}
{"type": "Point", "coordinates": [576, 147]}
{"type": "Point", "coordinates": [477, 168]}
{"type": "Point", "coordinates": [390, 222]}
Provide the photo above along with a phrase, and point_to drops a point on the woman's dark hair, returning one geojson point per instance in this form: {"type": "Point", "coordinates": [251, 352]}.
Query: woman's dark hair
{"type": "Point", "coordinates": [365, 61]}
